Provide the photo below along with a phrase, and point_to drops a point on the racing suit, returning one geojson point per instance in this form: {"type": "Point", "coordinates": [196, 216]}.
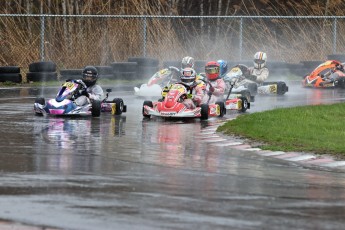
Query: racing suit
{"type": "Point", "coordinates": [94, 92]}
{"type": "Point", "coordinates": [258, 75]}
{"type": "Point", "coordinates": [218, 86]}
{"type": "Point", "coordinates": [195, 95]}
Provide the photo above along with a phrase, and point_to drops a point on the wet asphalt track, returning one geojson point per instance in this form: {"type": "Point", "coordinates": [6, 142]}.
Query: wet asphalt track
{"type": "Point", "coordinates": [129, 173]}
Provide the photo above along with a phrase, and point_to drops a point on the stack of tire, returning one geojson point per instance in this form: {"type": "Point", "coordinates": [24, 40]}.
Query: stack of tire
{"type": "Point", "coordinates": [146, 66]}
{"type": "Point", "coordinates": [124, 70]}
{"type": "Point", "coordinates": [105, 72]}
{"type": "Point", "coordinates": [42, 71]}
{"type": "Point", "coordinates": [70, 74]}
{"type": "Point", "coordinates": [10, 74]}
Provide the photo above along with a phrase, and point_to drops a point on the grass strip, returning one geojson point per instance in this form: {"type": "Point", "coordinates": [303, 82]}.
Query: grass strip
{"type": "Point", "coordinates": [315, 128]}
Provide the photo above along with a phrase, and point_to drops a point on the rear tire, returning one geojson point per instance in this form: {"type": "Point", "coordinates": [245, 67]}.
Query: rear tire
{"type": "Point", "coordinates": [204, 112]}
{"type": "Point", "coordinates": [245, 104]}
{"type": "Point", "coordinates": [96, 108]}
{"type": "Point", "coordinates": [222, 108]}
{"type": "Point", "coordinates": [41, 101]}
{"type": "Point", "coordinates": [148, 103]}
{"type": "Point", "coordinates": [118, 106]}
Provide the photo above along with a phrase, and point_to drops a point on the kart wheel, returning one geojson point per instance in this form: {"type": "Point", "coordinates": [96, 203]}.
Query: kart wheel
{"type": "Point", "coordinates": [41, 101]}
{"type": "Point", "coordinates": [222, 108]}
{"type": "Point", "coordinates": [245, 104]}
{"type": "Point", "coordinates": [281, 88]}
{"type": "Point", "coordinates": [96, 108]}
{"type": "Point", "coordinates": [341, 82]}
{"type": "Point", "coordinates": [148, 103]}
{"type": "Point", "coordinates": [118, 106]}
{"type": "Point", "coordinates": [204, 112]}
{"type": "Point", "coordinates": [246, 94]}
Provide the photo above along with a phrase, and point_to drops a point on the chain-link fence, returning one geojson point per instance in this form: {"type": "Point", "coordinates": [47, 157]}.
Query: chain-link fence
{"type": "Point", "coordinates": [73, 41]}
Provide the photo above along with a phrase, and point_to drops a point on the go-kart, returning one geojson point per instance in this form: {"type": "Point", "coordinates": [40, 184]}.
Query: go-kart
{"type": "Point", "coordinates": [156, 83]}
{"type": "Point", "coordinates": [317, 79]}
{"type": "Point", "coordinates": [245, 84]}
{"type": "Point", "coordinates": [63, 103]}
{"type": "Point", "coordinates": [172, 106]}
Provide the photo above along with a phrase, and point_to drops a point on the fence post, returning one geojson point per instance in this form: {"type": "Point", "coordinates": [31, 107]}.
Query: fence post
{"type": "Point", "coordinates": [42, 37]}
{"type": "Point", "coordinates": [144, 36]}
{"type": "Point", "coordinates": [334, 35]}
{"type": "Point", "coordinates": [241, 38]}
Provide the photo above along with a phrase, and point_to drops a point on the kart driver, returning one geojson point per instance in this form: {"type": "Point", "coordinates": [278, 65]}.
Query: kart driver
{"type": "Point", "coordinates": [259, 73]}
{"type": "Point", "coordinates": [334, 74]}
{"type": "Point", "coordinates": [223, 68]}
{"type": "Point", "coordinates": [194, 88]}
{"type": "Point", "coordinates": [93, 91]}
{"type": "Point", "coordinates": [215, 86]}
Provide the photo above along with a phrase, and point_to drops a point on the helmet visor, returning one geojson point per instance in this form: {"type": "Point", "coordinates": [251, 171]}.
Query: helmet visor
{"type": "Point", "coordinates": [212, 69]}
{"type": "Point", "coordinates": [259, 61]}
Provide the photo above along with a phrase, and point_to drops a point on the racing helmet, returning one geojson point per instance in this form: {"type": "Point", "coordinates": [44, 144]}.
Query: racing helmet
{"type": "Point", "coordinates": [260, 59]}
{"type": "Point", "coordinates": [223, 67]}
{"type": "Point", "coordinates": [187, 62]}
{"type": "Point", "coordinates": [188, 76]}
{"type": "Point", "coordinates": [90, 75]}
{"type": "Point", "coordinates": [212, 70]}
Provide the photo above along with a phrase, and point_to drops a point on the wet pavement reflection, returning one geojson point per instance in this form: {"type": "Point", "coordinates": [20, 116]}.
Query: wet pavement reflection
{"type": "Point", "coordinates": [126, 172]}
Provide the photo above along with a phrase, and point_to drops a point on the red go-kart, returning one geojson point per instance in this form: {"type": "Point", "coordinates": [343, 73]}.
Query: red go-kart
{"type": "Point", "coordinates": [172, 106]}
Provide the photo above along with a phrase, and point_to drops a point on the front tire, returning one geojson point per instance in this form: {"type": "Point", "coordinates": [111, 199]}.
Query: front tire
{"type": "Point", "coordinates": [119, 105]}
{"type": "Point", "coordinates": [150, 104]}
{"type": "Point", "coordinates": [221, 108]}
{"type": "Point", "coordinates": [204, 112]}
{"type": "Point", "coordinates": [245, 104]}
{"type": "Point", "coordinates": [96, 108]}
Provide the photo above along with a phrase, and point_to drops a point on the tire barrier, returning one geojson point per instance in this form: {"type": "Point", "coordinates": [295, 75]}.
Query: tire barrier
{"type": "Point", "coordinates": [42, 71]}
{"type": "Point", "coordinates": [10, 74]}
{"type": "Point", "coordinates": [70, 74]}
{"type": "Point", "coordinates": [146, 66]}
{"type": "Point", "coordinates": [124, 70]}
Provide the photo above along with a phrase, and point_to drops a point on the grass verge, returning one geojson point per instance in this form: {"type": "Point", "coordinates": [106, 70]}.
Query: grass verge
{"type": "Point", "coordinates": [317, 128]}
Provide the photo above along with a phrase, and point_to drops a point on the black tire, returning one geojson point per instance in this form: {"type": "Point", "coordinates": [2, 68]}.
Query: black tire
{"type": "Point", "coordinates": [222, 108]}
{"type": "Point", "coordinates": [176, 64]}
{"type": "Point", "coordinates": [96, 108]}
{"type": "Point", "coordinates": [41, 76]}
{"type": "Point", "coordinates": [119, 105]}
{"type": "Point", "coordinates": [11, 77]}
{"type": "Point", "coordinates": [42, 66]}
{"type": "Point", "coordinates": [148, 103]}
{"type": "Point", "coordinates": [245, 104]}
{"type": "Point", "coordinates": [124, 66]}
{"type": "Point", "coordinates": [104, 70]}
{"type": "Point", "coordinates": [341, 82]}
{"type": "Point", "coordinates": [126, 76]}
{"type": "Point", "coordinates": [77, 72]}
{"type": "Point", "coordinates": [9, 69]}
{"type": "Point", "coordinates": [282, 88]}
{"type": "Point", "coordinates": [144, 61]}
{"type": "Point", "coordinates": [246, 94]}
{"type": "Point", "coordinates": [204, 112]}
{"type": "Point", "coordinates": [40, 100]}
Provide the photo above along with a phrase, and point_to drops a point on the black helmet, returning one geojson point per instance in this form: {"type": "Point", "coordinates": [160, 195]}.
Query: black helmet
{"type": "Point", "coordinates": [90, 75]}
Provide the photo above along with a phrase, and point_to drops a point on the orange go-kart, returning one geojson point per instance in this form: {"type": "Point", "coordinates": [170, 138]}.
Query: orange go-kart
{"type": "Point", "coordinates": [317, 79]}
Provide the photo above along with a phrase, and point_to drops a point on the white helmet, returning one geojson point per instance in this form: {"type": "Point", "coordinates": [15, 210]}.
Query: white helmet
{"type": "Point", "coordinates": [260, 59]}
{"type": "Point", "coordinates": [188, 76]}
{"type": "Point", "coordinates": [187, 62]}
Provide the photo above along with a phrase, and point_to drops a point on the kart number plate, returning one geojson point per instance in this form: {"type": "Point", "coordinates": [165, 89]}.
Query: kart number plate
{"type": "Point", "coordinates": [168, 114]}
{"type": "Point", "coordinates": [69, 85]}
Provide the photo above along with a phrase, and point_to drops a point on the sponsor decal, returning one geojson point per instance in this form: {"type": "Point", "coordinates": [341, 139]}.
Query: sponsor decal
{"type": "Point", "coordinates": [168, 114]}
